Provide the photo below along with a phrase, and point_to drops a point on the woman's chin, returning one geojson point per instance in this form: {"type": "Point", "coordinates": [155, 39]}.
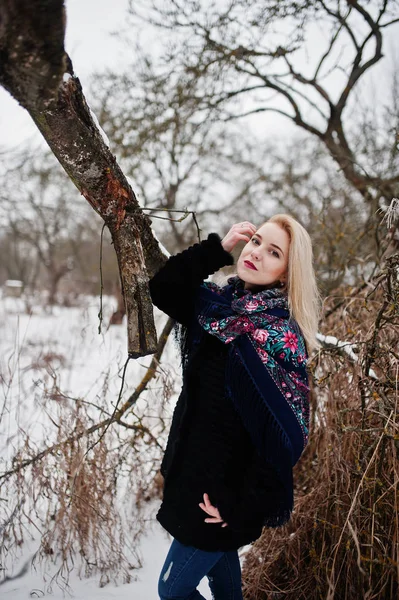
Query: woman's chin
{"type": "Point", "coordinates": [247, 275]}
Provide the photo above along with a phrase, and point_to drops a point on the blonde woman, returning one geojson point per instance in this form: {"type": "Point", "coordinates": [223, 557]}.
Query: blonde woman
{"type": "Point", "coordinates": [242, 418]}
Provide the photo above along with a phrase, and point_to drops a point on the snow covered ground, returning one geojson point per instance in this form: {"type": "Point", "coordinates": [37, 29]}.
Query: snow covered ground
{"type": "Point", "coordinates": [153, 549]}
{"type": "Point", "coordinates": [84, 360]}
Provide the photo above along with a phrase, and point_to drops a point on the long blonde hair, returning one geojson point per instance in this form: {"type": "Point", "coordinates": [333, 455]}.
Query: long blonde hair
{"type": "Point", "coordinates": [304, 299]}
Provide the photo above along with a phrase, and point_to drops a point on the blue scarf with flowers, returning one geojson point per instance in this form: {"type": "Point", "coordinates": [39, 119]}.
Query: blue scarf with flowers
{"type": "Point", "coordinates": [266, 375]}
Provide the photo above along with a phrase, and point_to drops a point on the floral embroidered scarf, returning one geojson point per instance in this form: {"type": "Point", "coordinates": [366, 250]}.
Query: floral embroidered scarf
{"type": "Point", "coordinates": [266, 375]}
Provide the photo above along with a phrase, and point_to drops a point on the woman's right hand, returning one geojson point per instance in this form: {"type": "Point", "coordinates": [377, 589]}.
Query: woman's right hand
{"type": "Point", "coordinates": [239, 231]}
{"type": "Point", "coordinates": [211, 510]}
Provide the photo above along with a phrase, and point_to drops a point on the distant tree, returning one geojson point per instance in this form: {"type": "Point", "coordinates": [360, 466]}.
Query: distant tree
{"type": "Point", "coordinates": [18, 260]}
{"type": "Point", "coordinates": [45, 221]}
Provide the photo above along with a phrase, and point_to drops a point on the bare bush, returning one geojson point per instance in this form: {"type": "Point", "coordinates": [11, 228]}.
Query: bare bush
{"type": "Point", "coordinates": [341, 541]}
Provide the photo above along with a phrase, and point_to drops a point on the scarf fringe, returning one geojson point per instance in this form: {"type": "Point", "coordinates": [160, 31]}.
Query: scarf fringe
{"type": "Point", "coordinates": [279, 519]}
{"type": "Point", "coordinates": [269, 438]}
{"type": "Point", "coordinates": [184, 340]}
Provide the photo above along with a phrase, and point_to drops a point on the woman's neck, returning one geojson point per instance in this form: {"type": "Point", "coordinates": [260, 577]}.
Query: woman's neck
{"type": "Point", "coordinates": [258, 288]}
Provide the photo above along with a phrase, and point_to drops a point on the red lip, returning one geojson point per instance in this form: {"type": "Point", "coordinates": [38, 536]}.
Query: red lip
{"type": "Point", "coordinates": [250, 265]}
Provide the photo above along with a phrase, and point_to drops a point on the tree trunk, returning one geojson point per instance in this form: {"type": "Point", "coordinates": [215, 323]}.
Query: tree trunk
{"type": "Point", "coordinates": [35, 69]}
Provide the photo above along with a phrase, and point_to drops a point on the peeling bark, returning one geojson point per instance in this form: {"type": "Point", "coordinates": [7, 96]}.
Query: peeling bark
{"type": "Point", "coordinates": [38, 73]}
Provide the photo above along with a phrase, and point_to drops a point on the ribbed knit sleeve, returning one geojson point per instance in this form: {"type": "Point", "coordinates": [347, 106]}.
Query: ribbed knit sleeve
{"type": "Point", "coordinates": [173, 287]}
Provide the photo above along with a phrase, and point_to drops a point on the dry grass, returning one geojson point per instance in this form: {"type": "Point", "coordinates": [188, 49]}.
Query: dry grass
{"type": "Point", "coordinates": [84, 494]}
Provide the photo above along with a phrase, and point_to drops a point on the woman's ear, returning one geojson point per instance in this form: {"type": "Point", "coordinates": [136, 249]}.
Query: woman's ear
{"type": "Point", "coordinates": [283, 280]}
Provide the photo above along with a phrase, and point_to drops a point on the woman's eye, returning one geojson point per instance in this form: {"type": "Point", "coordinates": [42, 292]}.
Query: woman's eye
{"type": "Point", "coordinates": [256, 241]}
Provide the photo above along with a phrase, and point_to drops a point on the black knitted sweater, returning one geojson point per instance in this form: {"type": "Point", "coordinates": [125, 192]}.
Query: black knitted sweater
{"type": "Point", "coordinates": [208, 449]}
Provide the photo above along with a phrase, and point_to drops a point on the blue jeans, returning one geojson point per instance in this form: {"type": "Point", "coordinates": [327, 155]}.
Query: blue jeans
{"type": "Point", "coordinates": [185, 566]}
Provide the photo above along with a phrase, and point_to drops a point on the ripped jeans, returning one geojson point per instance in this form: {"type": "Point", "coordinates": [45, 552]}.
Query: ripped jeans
{"type": "Point", "coordinates": [185, 566]}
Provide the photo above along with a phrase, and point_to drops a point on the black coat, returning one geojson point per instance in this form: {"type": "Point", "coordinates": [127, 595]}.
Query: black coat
{"type": "Point", "coordinates": [208, 449]}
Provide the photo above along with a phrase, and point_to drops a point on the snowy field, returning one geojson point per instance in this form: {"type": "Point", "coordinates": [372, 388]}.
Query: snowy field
{"type": "Point", "coordinates": [153, 550]}
{"type": "Point", "coordinates": [84, 360]}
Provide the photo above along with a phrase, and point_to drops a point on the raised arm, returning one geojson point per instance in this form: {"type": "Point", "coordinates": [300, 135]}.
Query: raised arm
{"type": "Point", "coordinates": [173, 287]}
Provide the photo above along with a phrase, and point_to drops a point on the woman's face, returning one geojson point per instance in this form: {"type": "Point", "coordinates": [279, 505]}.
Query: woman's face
{"type": "Point", "coordinates": [267, 251]}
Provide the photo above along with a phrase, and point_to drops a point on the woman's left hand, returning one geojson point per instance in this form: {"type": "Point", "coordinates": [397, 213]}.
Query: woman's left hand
{"type": "Point", "coordinates": [238, 232]}
{"type": "Point", "coordinates": [211, 510]}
